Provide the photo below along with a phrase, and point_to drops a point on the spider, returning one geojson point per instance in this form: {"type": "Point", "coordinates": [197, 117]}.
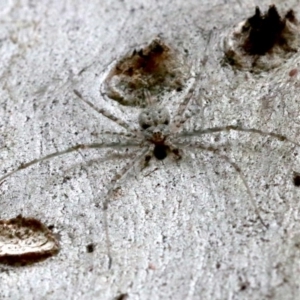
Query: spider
{"type": "Point", "coordinates": [157, 136]}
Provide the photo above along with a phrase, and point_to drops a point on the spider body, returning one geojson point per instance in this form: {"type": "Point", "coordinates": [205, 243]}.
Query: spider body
{"type": "Point", "coordinates": [155, 127]}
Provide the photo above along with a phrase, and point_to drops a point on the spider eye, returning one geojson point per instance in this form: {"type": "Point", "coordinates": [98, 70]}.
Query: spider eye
{"type": "Point", "coordinates": [166, 122]}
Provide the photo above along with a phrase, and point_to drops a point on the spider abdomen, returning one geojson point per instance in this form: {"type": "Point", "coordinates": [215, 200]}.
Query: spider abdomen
{"type": "Point", "coordinates": [160, 151]}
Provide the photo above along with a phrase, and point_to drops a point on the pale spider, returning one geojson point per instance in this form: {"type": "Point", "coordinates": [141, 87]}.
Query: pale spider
{"type": "Point", "coordinates": [156, 136]}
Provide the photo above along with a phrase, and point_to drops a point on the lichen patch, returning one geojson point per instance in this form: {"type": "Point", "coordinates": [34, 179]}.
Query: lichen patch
{"type": "Point", "coordinates": [264, 41]}
{"type": "Point", "coordinates": [155, 67]}
{"type": "Point", "coordinates": [25, 241]}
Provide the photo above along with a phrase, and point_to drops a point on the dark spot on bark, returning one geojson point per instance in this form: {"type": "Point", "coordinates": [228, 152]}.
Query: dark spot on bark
{"type": "Point", "coordinates": [90, 248]}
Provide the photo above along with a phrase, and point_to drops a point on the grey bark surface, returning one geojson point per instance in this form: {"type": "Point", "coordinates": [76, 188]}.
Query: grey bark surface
{"type": "Point", "coordinates": [177, 230]}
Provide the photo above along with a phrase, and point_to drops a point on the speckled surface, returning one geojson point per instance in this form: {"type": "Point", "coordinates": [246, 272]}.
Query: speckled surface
{"type": "Point", "coordinates": [176, 230]}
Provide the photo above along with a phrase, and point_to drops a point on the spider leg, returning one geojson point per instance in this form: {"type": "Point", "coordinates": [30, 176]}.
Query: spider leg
{"type": "Point", "coordinates": [149, 98]}
{"type": "Point", "coordinates": [105, 113]}
{"type": "Point", "coordinates": [174, 149]}
{"type": "Point", "coordinates": [199, 132]}
{"type": "Point", "coordinates": [183, 114]}
{"type": "Point", "coordinates": [124, 171]}
{"type": "Point", "coordinates": [113, 186]}
{"type": "Point", "coordinates": [236, 168]}
{"type": "Point", "coordinates": [100, 145]}
{"type": "Point", "coordinates": [123, 134]}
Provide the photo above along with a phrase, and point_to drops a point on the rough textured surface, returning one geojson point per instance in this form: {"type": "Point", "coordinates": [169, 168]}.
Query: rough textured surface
{"type": "Point", "coordinates": [182, 230]}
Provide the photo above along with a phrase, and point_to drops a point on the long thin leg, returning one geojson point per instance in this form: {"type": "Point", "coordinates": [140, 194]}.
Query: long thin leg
{"type": "Point", "coordinates": [69, 150]}
{"type": "Point", "coordinates": [124, 171]}
{"type": "Point", "coordinates": [124, 134]}
{"type": "Point", "coordinates": [181, 115]}
{"type": "Point", "coordinates": [149, 98]}
{"type": "Point", "coordinates": [115, 180]}
{"type": "Point", "coordinates": [105, 113]}
{"type": "Point", "coordinates": [199, 132]}
{"type": "Point", "coordinates": [237, 169]}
